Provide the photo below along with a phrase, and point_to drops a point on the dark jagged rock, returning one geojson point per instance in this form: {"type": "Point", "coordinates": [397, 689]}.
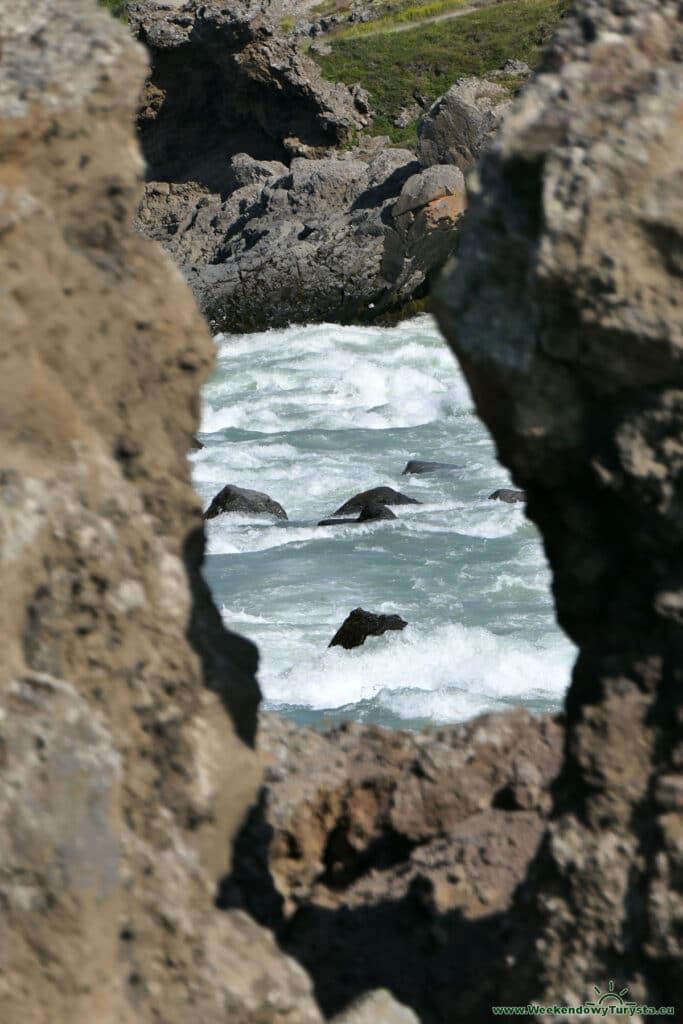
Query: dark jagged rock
{"type": "Point", "coordinates": [196, 444]}
{"type": "Point", "coordinates": [221, 83]}
{"type": "Point", "coordinates": [507, 494]}
{"type": "Point", "coordinates": [359, 625]}
{"type": "Point", "coordinates": [375, 496]}
{"type": "Point", "coordinates": [417, 466]}
{"type": "Point", "coordinates": [566, 311]}
{"type": "Point", "coordinates": [370, 511]}
{"type": "Point", "coordinates": [241, 499]}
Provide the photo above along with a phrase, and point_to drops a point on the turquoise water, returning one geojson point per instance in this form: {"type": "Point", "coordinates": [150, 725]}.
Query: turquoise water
{"type": "Point", "coordinates": [312, 415]}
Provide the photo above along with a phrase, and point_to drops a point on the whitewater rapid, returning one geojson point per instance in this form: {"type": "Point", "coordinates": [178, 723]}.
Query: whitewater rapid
{"type": "Point", "coordinates": [314, 414]}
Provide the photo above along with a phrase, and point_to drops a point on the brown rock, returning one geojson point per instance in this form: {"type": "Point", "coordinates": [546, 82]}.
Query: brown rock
{"type": "Point", "coordinates": [566, 311]}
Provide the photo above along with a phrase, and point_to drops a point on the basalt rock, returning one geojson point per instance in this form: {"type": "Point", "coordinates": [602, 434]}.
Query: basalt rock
{"type": "Point", "coordinates": [375, 496]}
{"type": "Point", "coordinates": [359, 625]}
{"type": "Point", "coordinates": [419, 467]}
{"type": "Point", "coordinates": [566, 311]}
{"type": "Point", "coordinates": [369, 512]}
{"type": "Point", "coordinates": [507, 494]}
{"type": "Point", "coordinates": [241, 499]}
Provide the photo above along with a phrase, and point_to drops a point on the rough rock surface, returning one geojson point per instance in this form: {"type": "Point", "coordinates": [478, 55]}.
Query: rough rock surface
{"type": "Point", "coordinates": [244, 500]}
{"type": "Point", "coordinates": [385, 858]}
{"type": "Point", "coordinates": [457, 127]}
{"type": "Point", "coordinates": [418, 466]}
{"type": "Point", "coordinates": [359, 625]}
{"type": "Point", "coordinates": [566, 311]}
{"type": "Point", "coordinates": [370, 511]}
{"type": "Point", "coordinates": [376, 495]}
{"type": "Point", "coordinates": [317, 240]}
{"type": "Point", "coordinates": [508, 494]}
{"type": "Point", "coordinates": [222, 82]}
{"type": "Point", "coordinates": [122, 698]}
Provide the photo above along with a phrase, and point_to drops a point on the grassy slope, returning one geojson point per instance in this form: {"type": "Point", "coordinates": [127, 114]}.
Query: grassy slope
{"type": "Point", "coordinates": [427, 60]}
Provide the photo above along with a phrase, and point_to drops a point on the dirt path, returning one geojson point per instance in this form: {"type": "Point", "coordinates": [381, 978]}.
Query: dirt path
{"type": "Point", "coordinates": [408, 26]}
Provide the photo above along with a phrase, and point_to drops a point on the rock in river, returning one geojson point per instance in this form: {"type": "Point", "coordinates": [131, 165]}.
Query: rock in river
{"type": "Point", "coordinates": [240, 499]}
{"type": "Point", "coordinates": [376, 495]}
{"type": "Point", "coordinates": [360, 624]}
{"type": "Point", "coordinates": [417, 466]}
{"type": "Point", "coordinates": [370, 511]}
{"type": "Point", "coordinates": [507, 494]}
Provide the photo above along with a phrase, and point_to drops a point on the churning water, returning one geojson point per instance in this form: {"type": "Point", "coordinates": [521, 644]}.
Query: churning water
{"type": "Point", "coordinates": [314, 414]}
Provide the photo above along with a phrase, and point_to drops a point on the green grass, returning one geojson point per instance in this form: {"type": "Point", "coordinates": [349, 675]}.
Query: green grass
{"type": "Point", "coordinates": [413, 12]}
{"type": "Point", "coordinates": [116, 7]}
{"type": "Point", "coordinates": [428, 59]}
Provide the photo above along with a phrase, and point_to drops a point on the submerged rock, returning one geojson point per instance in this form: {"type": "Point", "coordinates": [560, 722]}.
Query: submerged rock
{"type": "Point", "coordinates": [241, 499]}
{"type": "Point", "coordinates": [419, 467]}
{"type": "Point", "coordinates": [507, 494]}
{"type": "Point", "coordinates": [375, 496]}
{"type": "Point", "coordinates": [359, 625]}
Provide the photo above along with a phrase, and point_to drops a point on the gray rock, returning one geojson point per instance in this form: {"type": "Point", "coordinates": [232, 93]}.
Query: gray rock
{"type": "Point", "coordinates": [417, 466]}
{"type": "Point", "coordinates": [245, 170]}
{"type": "Point", "coordinates": [377, 496]}
{"type": "Point", "coordinates": [359, 625]}
{"type": "Point", "coordinates": [433, 183]}
{"type": "Point", "coordinates": [508, 495]}
{"type": "Point", "coordinates": [370, 511]}
{"type": "Point", "coordinates": [459, 124]}
{"type": "Point", "coordinates": [241, 499]}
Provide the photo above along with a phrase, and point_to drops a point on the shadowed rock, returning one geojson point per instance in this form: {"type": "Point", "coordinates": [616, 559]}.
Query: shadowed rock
{"type": "Point", "coordinates": [360, 624]}
{"type": "Point", "coordinates": [417, 466]}
{"type": "Point", "coordinates": [507, 494]}
{"type": "Point", "coordinates": [566, 312]}
{"type": "Point", "coordinates": [375, 496]}
{"type": "Point", "coordinates": [370, 511]}
{"type": "Point", "coordinates": [241, 499]}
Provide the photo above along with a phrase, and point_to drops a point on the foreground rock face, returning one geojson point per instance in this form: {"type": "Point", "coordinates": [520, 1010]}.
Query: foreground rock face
{"type": "Point", "coordinates": [126, 710]}
{"type": "Point", "coordinates": [566, 311]}
{"type": "Point", "coordinates": [389, 858]}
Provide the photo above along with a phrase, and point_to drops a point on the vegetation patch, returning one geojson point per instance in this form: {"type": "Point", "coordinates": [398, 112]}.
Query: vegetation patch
{"type": "Point", "coordinates": [402, 16]}
{"type": "Point", "coordinates": [116, 7]}
{"type": "Point", "coordinates": [399, 67]}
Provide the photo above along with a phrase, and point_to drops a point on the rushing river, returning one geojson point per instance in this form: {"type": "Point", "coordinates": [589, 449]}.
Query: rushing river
{"type": "Point", "coordinates": [312, 415]}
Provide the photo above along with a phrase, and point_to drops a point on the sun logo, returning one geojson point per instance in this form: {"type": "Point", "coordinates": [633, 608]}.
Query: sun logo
{"type": "Point", "coordinates": [618, 997]}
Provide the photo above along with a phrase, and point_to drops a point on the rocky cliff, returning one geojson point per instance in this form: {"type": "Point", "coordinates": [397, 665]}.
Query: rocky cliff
{"type": "Point", "coordinates": [127, 713]}
{"type": "Point", "coordinates": [565, 308]}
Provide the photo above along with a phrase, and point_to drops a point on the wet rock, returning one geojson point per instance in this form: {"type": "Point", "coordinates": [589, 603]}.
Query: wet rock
{"type": "Point", "coordinates": [574, 244]}
{"type": "Point", "coordinates": [460, 123]}
{"type": "Point", "coordinates": [241, 499]}
{"type": "Point", "coordinates": [359, 625]}
{"type": "Point", "coordinates": [507, 494]}
{"type": "Point", "coordinates": [196, 444]}
{"type": "Point", "coordinates": [375, 496]}
{"type": "Point", "coordinates": [370, 511]}
{"type": "Point", "coordinates": [419, 467]}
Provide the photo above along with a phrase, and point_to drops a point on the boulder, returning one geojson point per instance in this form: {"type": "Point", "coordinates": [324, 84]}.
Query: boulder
{"type": "Point", "coordinates": [565, 309]}
{"type": "Point", "coordinates": [507, 494]}
{"type": "Point", "coordinates": [244, 170]}
{"type": "Point", "coordinates": [359, 625]}
{"type": "Point", "coordinates": [241, 499]}
{"type": "Point", "coordinates": [370, 511]}
{"type": "Point", "coordinates": [417, 466]}
{"type": "Point", "coordinates": [460, 123]}
{"type": "Point", "coordinates": [375, 496]}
